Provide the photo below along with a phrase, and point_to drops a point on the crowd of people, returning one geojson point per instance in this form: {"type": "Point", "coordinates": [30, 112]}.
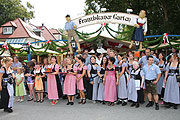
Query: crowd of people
{"type": "Point", "coordinates": [110, 79]}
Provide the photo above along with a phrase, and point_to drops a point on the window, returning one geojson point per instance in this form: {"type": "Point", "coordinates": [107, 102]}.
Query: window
{"type": "Point", "coordinates": [7, 30]}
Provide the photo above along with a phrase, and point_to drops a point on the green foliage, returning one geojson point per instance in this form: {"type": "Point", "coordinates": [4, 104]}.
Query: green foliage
{"type": "Point", "coordinates": [12, 9]}
{"type": "Point", "coordinates": [163, 15]}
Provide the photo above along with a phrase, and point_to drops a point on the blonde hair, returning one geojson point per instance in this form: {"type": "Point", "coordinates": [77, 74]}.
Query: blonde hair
{"type": "Point", "coordinates": [136, 63]}
{"type": "Point", "coordinates": [21, 69]}
{"type": "Point", "coordinates": [5, 59]}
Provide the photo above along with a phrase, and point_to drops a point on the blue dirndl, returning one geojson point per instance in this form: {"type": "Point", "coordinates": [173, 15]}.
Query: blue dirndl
{"type": "Point", "coordinates": [138, 34]}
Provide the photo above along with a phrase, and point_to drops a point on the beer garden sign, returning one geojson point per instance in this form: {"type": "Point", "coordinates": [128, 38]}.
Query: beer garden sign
{"type": "Point", "coordinates": [108, 17]}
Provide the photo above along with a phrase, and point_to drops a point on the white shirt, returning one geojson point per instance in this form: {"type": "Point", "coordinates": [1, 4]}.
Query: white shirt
{"type": "Point", "coordinates": [98, 61]}
{"type": "Point", "coordinates": [142, 21]}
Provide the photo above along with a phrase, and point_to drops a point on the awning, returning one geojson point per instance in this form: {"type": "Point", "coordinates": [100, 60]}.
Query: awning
{"type": "Point", "coordinates": [16, 41]}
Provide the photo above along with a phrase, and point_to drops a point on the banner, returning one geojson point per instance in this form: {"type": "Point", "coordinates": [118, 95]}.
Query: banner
{"type": "Point", "coordinates": [109, 17]}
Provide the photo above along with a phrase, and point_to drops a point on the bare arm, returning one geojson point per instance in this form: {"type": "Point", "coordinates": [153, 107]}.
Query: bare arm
{"type": "Point", "coordinates": [127, 70]}
{"type": "Point", "coordinates": [117, 77]}
{"type": "Point", "coordinates": [88, 72]}
{"type": "Point", "coordinates": [122, 72]}
{"type": "Point", "coordinates": [99, 74]}
{"type": "Point", "coordinates": [104, 79]}
{"type": "Point", "coordinates": [82, 75]}
{"type": "Point", "coordinates": [166, 75]}
{"type": "Point", "coordinates": [20, 81]}
{"type": "Point", "coordinates": [142, 83]}
{"type": "Point", "coordinates": [158, 77]}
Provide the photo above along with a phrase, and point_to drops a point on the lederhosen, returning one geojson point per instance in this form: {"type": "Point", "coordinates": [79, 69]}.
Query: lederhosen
{"type": "Point", "coordinates": [4, 94]}
{"type": "Point", "coordinates": [140, 93]}
{"type": "Point", "coordinates": [59, 87]}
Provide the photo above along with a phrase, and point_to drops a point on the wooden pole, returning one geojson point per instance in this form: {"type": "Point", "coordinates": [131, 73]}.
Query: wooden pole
{"type": "Point", "coordinates": [38, 58]}
{"type": "Point", "coordinates": [62, 56]}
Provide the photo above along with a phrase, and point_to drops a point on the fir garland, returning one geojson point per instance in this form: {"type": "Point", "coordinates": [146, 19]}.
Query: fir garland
{"type": "Point", "coordinates": [118, 32]}
{"type": "Point", "coordinates": [3, 50]}
{"type": "Point", "coordinates": [53, 43]}
{"type": "Point", "coordinates": [91, 39]}
{"type": "Point", "coordinates": [85, 34]}
{"type": "Point", "coordinates": [116, 37]}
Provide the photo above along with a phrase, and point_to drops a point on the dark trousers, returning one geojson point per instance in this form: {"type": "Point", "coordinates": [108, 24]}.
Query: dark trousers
{"type": "Point", "coordinates": [4, 98]}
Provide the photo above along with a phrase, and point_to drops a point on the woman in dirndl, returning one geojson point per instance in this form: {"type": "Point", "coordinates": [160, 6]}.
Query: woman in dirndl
{"type": "Point", "coordinates": [53, 82]}
{"type": "Point", "coordinates": [110, 82]}
{"type": "Point", "coordinates": [172, 94]}
{"type": "Point", "coordinates": [69, 88]}
{"type": "Point", "coordinates": [39, 87]}
{"type": "Point", "coordinates": [92, 71]}
{"type": "Point", "coordinates": [103, 66]}
{"type": "Point", "coordinates": [81, 71]}
{"type": "Point", "coordinates": [140, 29]}
{"type": "Point", "coordinates": [135, 85]}
{"type": "Point", "coordinates": [122, 86]}
{"type": "Point", "coordinates": [160, 84]}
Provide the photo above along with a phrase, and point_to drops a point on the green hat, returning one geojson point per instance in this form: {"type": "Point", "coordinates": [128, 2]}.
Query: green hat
{"type": "Point", "coordinates": [25, 61]}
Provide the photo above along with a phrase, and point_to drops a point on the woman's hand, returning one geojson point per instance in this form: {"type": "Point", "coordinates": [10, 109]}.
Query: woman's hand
{"type": "Point", "coordinates": [165, 82]}
{"type": "Point", "coordinates": [0, 88]}
{"type": "Point", "coordinates": [91, 82]}
{"type": "Point", "coordinates": [103, 81]}
{"type": "Point", "coordinates": [77, 79]}
{"type": "Point", "coordinates": [117, 83]}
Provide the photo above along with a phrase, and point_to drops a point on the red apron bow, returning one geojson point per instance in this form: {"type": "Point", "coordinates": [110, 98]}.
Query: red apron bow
{"type": "Point", "coordinates": [49, 41]}
{"type": "Point", "coordinates": [104, 26]}
{"type": "Point", "coordinates": [165, 38]}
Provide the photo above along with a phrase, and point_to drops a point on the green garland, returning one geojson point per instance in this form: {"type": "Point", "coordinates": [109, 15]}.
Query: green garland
{"type": "Point", "coordinates": [126, 38]}
{"type": "Point", "coordinates": [118, 32]}
{"type": "Point", "coordinates": [91, 39]}
{"type": "Point", "coordinates": [53, 43]}
{"type": "Point", "coordinates": [40, 47]}
{"type": "Point", "coordinates": [154, 41]}
{"type": "Point", "coordinates": [3, 50]}
{"type": "Point", "coordinates": [85, 34]}
{"type": "Point", "coordinates": [11, 50]}
{"type": "Point", "coordinates": [158, 45]}
{"type": "Point", "coordinates": [174, 46]}
{"type": "Point", "coordinates": [58, 50]}
{"type": "Point", "coordinates": [14, 47]}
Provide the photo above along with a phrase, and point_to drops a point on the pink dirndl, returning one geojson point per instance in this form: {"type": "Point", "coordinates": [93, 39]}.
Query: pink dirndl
{"type": "Point", "coordinates": [80, 85]}
{"type": "Point", "coordinates": [70, 84]}
{"type": "Point", "coordinates": [52, 86]}
{"type": "Point", "coordinates": [110, 93]}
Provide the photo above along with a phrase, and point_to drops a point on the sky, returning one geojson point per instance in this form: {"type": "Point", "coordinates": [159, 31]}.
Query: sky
{"type": "Point", "coordinates": [52, 13]}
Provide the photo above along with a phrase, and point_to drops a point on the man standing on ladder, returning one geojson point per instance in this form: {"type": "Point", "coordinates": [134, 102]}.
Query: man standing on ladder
{"type": "Point", "coordinates": [70, 27]}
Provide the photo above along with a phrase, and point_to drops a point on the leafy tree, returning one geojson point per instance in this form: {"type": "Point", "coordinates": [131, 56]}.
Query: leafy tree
{"type": "Point", "coordinates": [163, 15]}
{"type": "Point", "coordinates": [12, 9]}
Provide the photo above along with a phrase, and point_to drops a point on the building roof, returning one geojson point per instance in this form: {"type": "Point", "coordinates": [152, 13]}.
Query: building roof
{"type": "Point", "coordinates": [10, 23]}
{"type": "Point", "coordinates": [23, 30]}
{"type": "Point", "coordinates": [54, 31]}
{"type": "Point", "coordinates": [46, 33]}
